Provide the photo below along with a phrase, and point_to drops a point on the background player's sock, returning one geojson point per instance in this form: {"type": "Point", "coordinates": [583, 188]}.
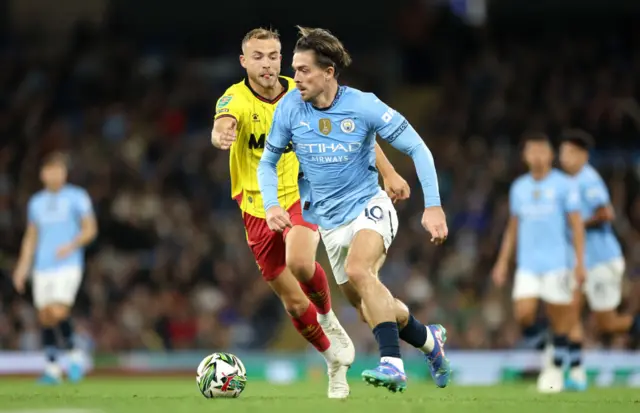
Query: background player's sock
{"type": "Point", "coordinates": [49, 344]}
{"type": "Point", "coordinates": [317, 289]}
{"type": "Point", "coordinates": [575, 354]}
{"type": "Point", "coordinates": [309, 328]}
{"type": "Point", "coordinates": [533, 336]}
{"type": "Point", "coordinates": [635, 326]}
{"type": "Point", "coordinates": [560, 350]}
{"type": "Point", "coordinates": [418, 335]}
{"type": "Point", "coordinates": [388, 340]}
{"type": "Point", "coordinates": [66, 330]}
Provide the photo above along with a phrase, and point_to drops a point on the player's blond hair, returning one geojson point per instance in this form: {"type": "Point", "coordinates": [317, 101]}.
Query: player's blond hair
{"type": "Point", "coordinates": [55, 158]}
{"type": "Point", "coordinates": [329, 50]}
{"type": "Point", "coordinates": [261, 33]}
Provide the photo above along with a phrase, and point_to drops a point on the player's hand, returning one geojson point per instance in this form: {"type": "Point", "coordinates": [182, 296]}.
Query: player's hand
{"type": "Point", "coordinates": [278, 219]}
{"type": "Point", "coordinates": [499, 274]}
{"type": "Point", "coordinates": [434, 221]}
{"type": "Point", "coordinates": [396, 187]}
{"type": "Point", "coordinates": [580, 274]}
{"type": "Point", "coordinates": [223, 139]}
{"type": "Point", "coordinates": [64, 251]}
{"type": "Point", "coordinates": [20, 278]}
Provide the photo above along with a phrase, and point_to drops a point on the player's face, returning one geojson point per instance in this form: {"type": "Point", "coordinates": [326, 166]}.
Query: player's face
{"type": "Point", "coordinates": [538, 155]}
{"type": "Point", "coordinates": [262, 60]}
{"type": "Point", "coordinates": [310, 78]}
{"type": "Point", "coordinates": [53, 175]}
{"type": "Point", "coordinates": [572, 157]}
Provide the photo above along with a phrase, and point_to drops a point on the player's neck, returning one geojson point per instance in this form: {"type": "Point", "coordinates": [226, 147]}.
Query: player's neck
{"type": "Point", "coordinates": [269, 93]}
{"type": "Point", "coordinates": [326, 98]}
{"type": "Point", "coordinates": [54, 189]}
{"type": "Point", "coordinates": [540, 174]}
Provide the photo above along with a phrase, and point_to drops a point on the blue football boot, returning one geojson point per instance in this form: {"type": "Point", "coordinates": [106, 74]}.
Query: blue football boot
{"type": "Point", "coordinates": [437, 360]}
{"type": "Point", "coordinates": [386, 375]}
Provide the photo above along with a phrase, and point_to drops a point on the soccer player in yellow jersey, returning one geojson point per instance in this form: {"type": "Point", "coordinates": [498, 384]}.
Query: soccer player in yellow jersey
{"type": "Point", "coordinates": [287, 261]}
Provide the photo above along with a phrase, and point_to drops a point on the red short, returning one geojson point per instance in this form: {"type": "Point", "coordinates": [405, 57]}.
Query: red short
{"type": "Point", "coordinates": [268, 246]}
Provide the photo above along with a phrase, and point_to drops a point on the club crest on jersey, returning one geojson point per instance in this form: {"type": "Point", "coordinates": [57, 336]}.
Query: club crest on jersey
{"type": "Point", "coordinates": [224, 101]}
{"type": "Point", "coordinates": [324, 125]}
{"type": "Point", "coordinates": [347, 125]}
{"type": "Point", "coordinates": [536, 194]}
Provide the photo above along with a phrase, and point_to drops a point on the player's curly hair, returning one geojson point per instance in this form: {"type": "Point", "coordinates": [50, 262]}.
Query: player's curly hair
{"type": "Point", "coordinates": [329, 51]}
{"type": "Point", "coordinates": [261, 33]}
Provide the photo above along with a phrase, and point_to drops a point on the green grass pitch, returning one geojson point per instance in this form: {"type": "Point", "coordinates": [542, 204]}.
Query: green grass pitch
{"type": "Point", "coordinates": [160, 395]}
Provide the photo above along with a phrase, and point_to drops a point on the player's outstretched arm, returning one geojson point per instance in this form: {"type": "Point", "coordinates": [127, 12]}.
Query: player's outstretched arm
{"type": "Point", "coordinates": [396, 130]}
{"type": "Point", "coordinates": [394, 185]}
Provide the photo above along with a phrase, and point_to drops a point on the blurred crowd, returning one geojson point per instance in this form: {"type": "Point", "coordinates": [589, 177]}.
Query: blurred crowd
{"type": "Point", "coordinates": [171, 269]}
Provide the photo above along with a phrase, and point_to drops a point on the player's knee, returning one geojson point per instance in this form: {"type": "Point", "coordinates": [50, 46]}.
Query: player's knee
{"type": "Point", "coordinates": [358, 274]}
{"type": "Point", "coordinates": [302, 268]}
{"type": "Point", "coordinates": [525, 316]}
{"type": "Point", "coordinates": [46, 317]}
{"type": "Point", "coordinates": [605, 322]}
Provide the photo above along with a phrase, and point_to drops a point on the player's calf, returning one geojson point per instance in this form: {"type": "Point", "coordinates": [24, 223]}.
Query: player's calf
{"type": "Point", "coordinates": [52, 373]}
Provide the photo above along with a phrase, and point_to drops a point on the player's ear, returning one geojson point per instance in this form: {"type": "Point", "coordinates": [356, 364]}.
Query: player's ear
{"type": "Point", "coordinates": [242, 61]}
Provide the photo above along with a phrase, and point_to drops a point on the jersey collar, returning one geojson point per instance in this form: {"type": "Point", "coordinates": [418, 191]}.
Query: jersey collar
{"type": "Point", "coordinates": [339, 94]}
{"type": "Point", "coordinates": [282, 81]}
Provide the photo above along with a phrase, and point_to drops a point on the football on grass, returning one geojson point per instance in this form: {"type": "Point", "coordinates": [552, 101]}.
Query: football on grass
{"type": "Point", "coordinates": [221, 375]}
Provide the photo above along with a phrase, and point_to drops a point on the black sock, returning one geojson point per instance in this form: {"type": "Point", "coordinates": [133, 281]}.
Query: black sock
{"type": "Point", "coordinates": [575, 354]}
{"type": "Point", "coordinates": [534, 336]}
{"type": "Point", "coordinates": [388, 339]}
{"type": "Point", "coordinates": [560, 350]}
{"type": "Point", "coordinates": [49, 343]}
{"type": "Point", "coordinates": [635, 326]}
{"type": "Point", "coordinates": [66, 328]}
{"type": "Point", "coordinates": [414, 333]}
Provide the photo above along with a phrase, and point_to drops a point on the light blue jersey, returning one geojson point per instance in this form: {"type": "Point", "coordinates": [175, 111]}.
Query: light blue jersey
{"type": "Point", "coordinates": [336, 150]}
{"type": "Point", "coordinates": [58, 217]}
{"type": "Point", "coordinates": [544, 242]}
{"type": "Point", "coordinates": [601, 245]}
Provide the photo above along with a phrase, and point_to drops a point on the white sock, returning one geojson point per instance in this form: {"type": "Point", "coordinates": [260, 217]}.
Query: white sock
{"type": "Point", "coordinates": [430, 343]}
{"type": "Point", "coordinates": [53, 369]}
{"type": "Point", "coordinates": [325, 319]}
{"type": "Point", "coordinates": [394, 361]}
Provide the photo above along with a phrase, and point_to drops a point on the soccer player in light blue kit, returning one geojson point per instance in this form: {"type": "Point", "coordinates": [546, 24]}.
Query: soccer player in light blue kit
{"type": "Point", "coordinates": [604, 260]}
{"type": "Point", "coordinates": [544, 206]}
{"type": "Point", "coordinates": [60, 224]}
{"type": "Point", "coordinates": [333, 130]}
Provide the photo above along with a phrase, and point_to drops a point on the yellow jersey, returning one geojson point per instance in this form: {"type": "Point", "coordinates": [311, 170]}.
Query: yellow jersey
{"type": "Point", "coordinates": [254, 115]}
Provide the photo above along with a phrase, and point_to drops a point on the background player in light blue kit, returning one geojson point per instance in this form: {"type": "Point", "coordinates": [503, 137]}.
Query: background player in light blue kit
{"type": "Point", "coordinates": [604, 260]}
{"type": "Point", "coordinates": [544, 206]}
{"type": "Point", "coordinates": [60, 224]}
{"type": "Point", "coordinates": [333, 130]}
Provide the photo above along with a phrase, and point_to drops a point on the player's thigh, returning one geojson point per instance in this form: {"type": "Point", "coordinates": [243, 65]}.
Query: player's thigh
{"type": "Point", "coordinates": [373, 232]}
{"type": "Point", "coordinates": [268, 247]}
{"type": "Point", "coordinates": [301, 243]}
{"type": "Point", "coordinates": [603, 287]}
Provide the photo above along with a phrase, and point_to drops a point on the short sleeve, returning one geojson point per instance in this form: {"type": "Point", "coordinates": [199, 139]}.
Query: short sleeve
{"type": "Point", "coordinates": [280, 132]}
{"type": "Point", "coordinates": [382, 119]}
{"type": "Point", "coordinates": [230, 104]}
{"type": "Point", "coordinates": [31, 211]}
{"type": "Point", "coordinates": [82, 203]}
{"type": "Point", "coordinates": [513, 199]}
{"type": "Point", "coordinates": [572, 196]}
{"type": "Point", "coordinates": [596, 194]}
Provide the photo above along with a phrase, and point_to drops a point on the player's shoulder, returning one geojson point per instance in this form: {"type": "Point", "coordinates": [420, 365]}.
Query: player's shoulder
{"type": "Point", "coordinates": [589, 175]}
{"type": "Point", "coordinates": [562, 177]}
{"type": "Point", "coordinates": [236, 93]}
{"type": "Point", "coordinates": [519, 182]}
{"type": "Point", "coordinates": [74, 191]}
{"type": "Point", "coordinates": [356, 96]}
{"type": "Point", "coordinates": [36, 197]}
{"type": "Point", "coordinates": [291, 100]}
